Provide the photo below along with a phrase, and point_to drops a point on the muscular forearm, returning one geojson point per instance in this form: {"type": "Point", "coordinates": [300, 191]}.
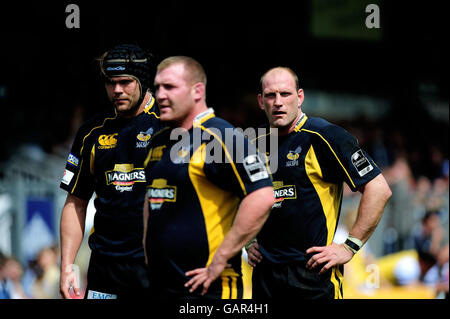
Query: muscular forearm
{"type": "Point", "coordinates": [72, 228]}
{"type": "Point", "coordinates": [376, 193]}
{"type": "Point", "coordinates": [252, 214]}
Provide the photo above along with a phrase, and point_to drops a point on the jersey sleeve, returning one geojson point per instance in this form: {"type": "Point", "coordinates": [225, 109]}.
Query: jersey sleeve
{"type": "Point", "coordinates": [240, 168]}
{"type": "Point", "coordinates": [342, 158]}
{"type": "Point", "coordinates": [77, 179]}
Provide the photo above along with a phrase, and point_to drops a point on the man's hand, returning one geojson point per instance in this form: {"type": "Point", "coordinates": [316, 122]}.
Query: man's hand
{"type": "Point", "coordinates": [69, 280]}
{"type": "Point", "coordinates": [254, 255]}
{"type": "Point", "coordinates": [329, 255]}
{"type": "Point", "coordinates": [205, 276]}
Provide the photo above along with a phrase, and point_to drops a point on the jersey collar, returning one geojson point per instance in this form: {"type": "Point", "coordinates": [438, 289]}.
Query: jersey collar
{"type": "Point", "coordinates": [149, 104]}
{"type": "Point", "coordinates": [204, 116]}
{"type": "Point", "coordinates": [300, 122]}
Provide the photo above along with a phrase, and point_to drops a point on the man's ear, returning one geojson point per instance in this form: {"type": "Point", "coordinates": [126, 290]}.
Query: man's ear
{"type": "Point", "coordinates": [260, 102]}
{"type": "Point", "coordinates": [198, 91]}
{"type": "Point", "coordinates": [301, 97]}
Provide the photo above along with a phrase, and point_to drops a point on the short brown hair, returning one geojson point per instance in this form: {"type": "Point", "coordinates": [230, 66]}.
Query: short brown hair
{"type": "Point", "coordinates": [195, 72]}
{"type": "Point", "coordinates": [297, 83]}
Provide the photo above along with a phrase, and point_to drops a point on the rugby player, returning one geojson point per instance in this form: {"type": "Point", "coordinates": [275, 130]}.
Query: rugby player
{"type": "Point", "coordinates": [107, 158]}
{"type": "Point", "coordinates": [294, 255]}
{"type": "Point", "coordinates": [199, 212]}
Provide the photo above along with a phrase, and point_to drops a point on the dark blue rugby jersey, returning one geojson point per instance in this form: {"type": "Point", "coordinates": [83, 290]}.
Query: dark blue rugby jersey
{"type": "Point", "coordinates": [107, 158]}
{"type": "Point", "coordinates": [313, 162]}
{"type": "Point", "coordinates": [193, 200]}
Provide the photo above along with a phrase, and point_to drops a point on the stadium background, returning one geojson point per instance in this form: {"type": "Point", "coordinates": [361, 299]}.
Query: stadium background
{"type": "Point", "coordinates": [386, 86]}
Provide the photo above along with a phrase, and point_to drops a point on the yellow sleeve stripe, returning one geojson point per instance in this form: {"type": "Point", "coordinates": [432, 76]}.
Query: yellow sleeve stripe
{"type": "Point", "coordinates": [92, 159]}
{"type": "Point", "coordinates": [81, 151]}
{"type": "Point", "coordinates": [229, 158]}
{"type": "Point", "coordinates": [333, 154]}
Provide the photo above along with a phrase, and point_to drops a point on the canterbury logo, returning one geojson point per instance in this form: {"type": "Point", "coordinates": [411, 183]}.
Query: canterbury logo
{"type": "Point", "coordinates": [107, 141]}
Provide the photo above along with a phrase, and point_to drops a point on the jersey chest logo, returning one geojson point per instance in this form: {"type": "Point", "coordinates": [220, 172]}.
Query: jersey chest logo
{"type": "Point", "coordinates": [293, 156]}
{"type": "Point", "coordinates": [159, 193]}
{"type": "Point", "coordinates": [123, 176]}
{"type": "Point", "coordinates": [283, 192]}
{"type": "Point", "coordinates": [143, 138]}
{"type": "Point", "coordinates": [107, 141]}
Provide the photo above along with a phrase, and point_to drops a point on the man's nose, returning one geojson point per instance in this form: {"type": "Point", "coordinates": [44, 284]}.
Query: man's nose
{"type": "Point", "coordinates": [118, 88]}
{"type": "Point", "coordinates": [278, 101]}
{"type": "Point", "coordinates": [160, 94]}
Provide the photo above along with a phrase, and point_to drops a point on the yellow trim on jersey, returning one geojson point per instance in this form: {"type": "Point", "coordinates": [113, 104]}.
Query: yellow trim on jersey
{"type": "Point", "coordinates": [297, 128]}
{"type": "Point", "coordinates": [149, 107]}
{"type": "Point", "coordinates": [337, 284]}
{"type": "Point", "coordinates": [202, 120]}
{"type": "Point", "coordinates": [261, 136]}
{"type": "Point", "coordinates": [227, 154]}
{"type": "Point", "coordinates": [329, 194]}
{"type": "Point", "coordinates": [229, 291]}
{"type": "Point", "coordinates": [247, 272]}
{"type": "Point", "coordinates": [82, 146]}
{"type": "Point", "coordinates": [147, 159]}
{"type": "Point", "coordinates": [333, 153]}
{"type": "Point", "coordinates": [299, 125]}
{"type": "Point", "coordinates": [218, 206]}
{"type": "Point", "coordinates": [234, 290]}
{"type": "Point", "coordinates": [92, 159]}
{"type": "Point", "coordinates": [225, 288]}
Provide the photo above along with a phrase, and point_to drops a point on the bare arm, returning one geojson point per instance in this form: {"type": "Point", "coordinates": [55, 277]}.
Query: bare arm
{"type": "Point", "coordinates": [375, 195]}
{"type": "Point", "coordinates": [250, 217]}
{"type": "Point", "coordinates": [71, 230]}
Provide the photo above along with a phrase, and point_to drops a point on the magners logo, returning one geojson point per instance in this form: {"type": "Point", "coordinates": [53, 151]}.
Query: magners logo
{"type": "Point", "coordinates": [159, 192]}
{"type": "Point", "coordinates": [282, 192]}
{"type": "Point", "coordinates": [107, 141]}
{"type": "Point", "coordinates": [123, 176]}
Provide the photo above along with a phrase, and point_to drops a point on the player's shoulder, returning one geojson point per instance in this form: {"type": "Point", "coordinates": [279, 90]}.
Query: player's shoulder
{"type": "Point", "coordinates": [324, 129]}
{"type": "Point", "coordinates": [217, 124]}
{"type": "Point", "coordinates": [97, 121]}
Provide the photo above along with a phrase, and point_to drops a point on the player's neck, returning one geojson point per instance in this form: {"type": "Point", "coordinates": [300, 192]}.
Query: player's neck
{"type": "Point", "coordinates": [130, 113]}
{"type": "Point", "coordinates": [145, 102]}
{"type": "Point", "coordinates": [290, 128]}
{"type": "Point", "coordinates": [188, 122]}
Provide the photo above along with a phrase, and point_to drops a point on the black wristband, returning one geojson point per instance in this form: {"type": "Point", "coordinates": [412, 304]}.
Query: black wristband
{"type": "Point", "coordinates": [352, 245]}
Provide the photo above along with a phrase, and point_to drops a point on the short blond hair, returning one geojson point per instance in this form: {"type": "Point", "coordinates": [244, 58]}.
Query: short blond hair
{"type": "Point", "coordinates": [297, 83]}
{"type": "Point", "coordinates": [193, 70]}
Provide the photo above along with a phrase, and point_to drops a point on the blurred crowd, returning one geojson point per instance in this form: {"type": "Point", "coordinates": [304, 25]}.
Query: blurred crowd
{"type": "Point", "coordinates": [37, 280]}
{"type": "Point", "coordinates": [407, 257]}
